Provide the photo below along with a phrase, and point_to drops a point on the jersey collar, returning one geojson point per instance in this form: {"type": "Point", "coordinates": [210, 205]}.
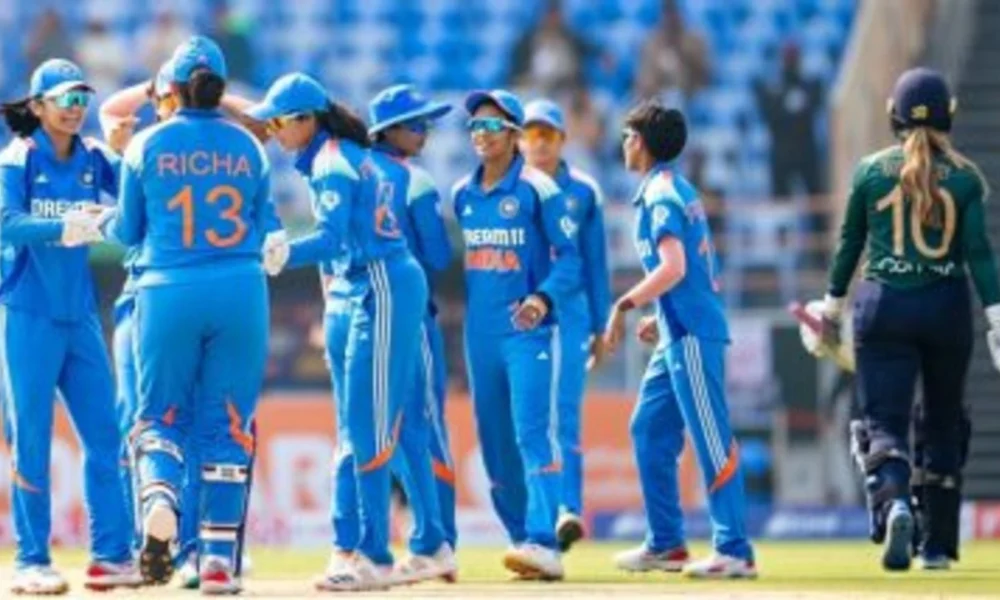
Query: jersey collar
{"type": "Point", "coordinates": [44, 144]}
{"type": "Point", "coordinates": [304, 158]}
{"type": "Point", "coordinates": [505, 185]}
{"type": "Point", "coordinates": [657, 169]}
{"type": "Point", "coordinates": [562, 177]}
{"type": "Point", "coordinates": [200, 113]}
{"type": "Point", "coordinates": [387, 148]}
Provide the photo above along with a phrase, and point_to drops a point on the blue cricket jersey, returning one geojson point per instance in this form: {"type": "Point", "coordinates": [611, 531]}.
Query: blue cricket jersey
{"type": "Point", "coordinates": [355, 221]}
{"type": "Point", "coordinates": [418, 210]}
{"type": "Point", "coordinates": [196, 196]}
{"type": "Point", "coordinates": [591, 301]}
{"type": "Point", "coordinates": [511, 234]}
{"type": "Point", "coordinates": [668, 205]}
{"type": "Point", "coordinates": [37, 274]}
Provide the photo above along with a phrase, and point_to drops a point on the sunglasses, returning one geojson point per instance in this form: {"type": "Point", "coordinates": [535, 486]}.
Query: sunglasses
{"type": "Point", "coordinates": [418, 126]}
{"type": "Point", "coordinates": [71, 99]}
{"type": "Point", "coordinates": [542, 134]}
{"type": "Point", "coordinates": [488, 125]}
{"type": "Point", "coordinates": [278, 123]}
{"type": "Point", "coordinates": [628, 133]}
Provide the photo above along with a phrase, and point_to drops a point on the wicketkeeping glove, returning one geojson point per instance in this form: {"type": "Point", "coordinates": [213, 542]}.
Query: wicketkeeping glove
{"type": "Point", "coordinates": [81, 227]}
{"type": "Point", "coordinates": [275, 252]}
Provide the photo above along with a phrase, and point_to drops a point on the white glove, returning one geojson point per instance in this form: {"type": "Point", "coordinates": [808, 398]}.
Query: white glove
{"type": "Point", "coordinates": [275, 252]}
{"type": "Point", "coordinates": [993, 333]}
{"type": "Point", "coordinates": [81, 227]}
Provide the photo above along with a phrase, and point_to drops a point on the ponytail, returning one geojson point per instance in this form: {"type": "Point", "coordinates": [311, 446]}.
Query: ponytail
{"type": "Point", "coordinates": [341, 122]}
{"type": "Point", "coordinates": [203, 91]}
{"type": "Point", "coordinates": [917, 177]}
{"type": "Point", "coordinates": [19, 117]}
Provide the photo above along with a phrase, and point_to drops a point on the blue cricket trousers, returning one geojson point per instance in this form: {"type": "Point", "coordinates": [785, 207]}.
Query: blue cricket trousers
{"type": "Point", "coordinates": [433, 379]}
{"type": "Point", "coordinates": [514, 397]}
{"type": "Point", "coordinates": [573, 339]}
{"type": "Point", "coordinates": [684, 386]}
{"type": "Point", "coordinates": [127, 400]}
{"type": "Point", "coordinates": [38, 357]}
{"type": "Point", "coordinates": [202, 352]}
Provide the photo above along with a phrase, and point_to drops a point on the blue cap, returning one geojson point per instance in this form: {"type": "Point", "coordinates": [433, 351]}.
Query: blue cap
{"type": "Point", "coordinates": [545, 112]}
{"type": "Point", "coordinates": [161, 85]}
{"type": "Point", "coordinates": [921, 98]}
{"type": "Point", "coordinates": [508, 103]}
{"type": "Point", "coordinates": [57, 76]}
{"type": "Point", "coordinates": [292, 94]}
{"type": "Point", "coordinates": [199, 52]}
{"type": "Point", "coordinates": [400, 103]}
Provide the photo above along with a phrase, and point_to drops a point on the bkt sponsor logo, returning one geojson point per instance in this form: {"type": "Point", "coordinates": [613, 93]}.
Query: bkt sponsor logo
{"type": "Point", "coordinates": [494, 237]}
{"type": "Point", "coordinates": [53, 208]}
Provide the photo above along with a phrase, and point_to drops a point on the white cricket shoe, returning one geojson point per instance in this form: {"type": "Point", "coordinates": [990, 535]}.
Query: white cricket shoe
{"type": "Point", "coordinates": [217, 577]}
{"type": "Point", "coordinates": [246, 565]}
{"type": "Point", "coordinates": [935, 562]}
{"type": "Point", "coordinates": [356, 573]}
{"type": "Point", "coordinates": [104, 576]}
{"type": "Point", "coordinates": [38, 580]}
{"type": "Point", "coordinates": [533, 562]}
{"type": "Point", "coordinates": [642, 560]}
{"type": "Point", "coordinates": [156, 561]}
{"type": "Point", "coordinates": [720, 566]}
{"type": "Point", "coordinates": [188, 574]}
{"type": "Point", "coordinates": [416, 567]}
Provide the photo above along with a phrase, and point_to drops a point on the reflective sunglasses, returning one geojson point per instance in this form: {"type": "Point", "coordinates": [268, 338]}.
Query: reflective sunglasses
{"type": "Point", "coordinates": [278, 123]}
{"type": "Point", "coordinates": [71, 98]}
{"type": "Point", "coordinates": [541, 133]}
{"type": "Point", "coordinates": [488, 125]}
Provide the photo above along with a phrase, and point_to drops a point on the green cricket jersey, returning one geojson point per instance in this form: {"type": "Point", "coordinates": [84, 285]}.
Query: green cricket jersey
{"type": "Point", "coordinates": [902, 252]}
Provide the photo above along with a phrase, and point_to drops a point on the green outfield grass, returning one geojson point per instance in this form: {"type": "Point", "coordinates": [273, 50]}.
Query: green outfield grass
{"type": "Point", "coordinates": [807, 569]}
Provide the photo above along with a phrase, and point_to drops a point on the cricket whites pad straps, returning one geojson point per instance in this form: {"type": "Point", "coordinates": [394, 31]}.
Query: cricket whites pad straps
{"type": "Point", "coordinates": [874, 460]}
{"type": "Point", "coordinates": [149, 445]}
{"type": "Point", "coordinates": [161, 489]}
{"type": "Point", "coordinates": [224, 473]}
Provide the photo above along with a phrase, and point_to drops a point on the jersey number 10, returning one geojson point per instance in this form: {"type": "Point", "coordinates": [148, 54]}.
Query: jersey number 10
{"type": "Point", "coordinates": [184, 201]}
{"type": "Point", "coordinates": [897, 203]}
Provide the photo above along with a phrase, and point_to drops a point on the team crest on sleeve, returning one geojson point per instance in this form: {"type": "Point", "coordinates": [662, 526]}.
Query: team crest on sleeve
{"type": "Point", "coordinates": [329, 200]}
{"type": "Point", "coordinates": [87, 178]}
{"type": "Point", "coordinates": [509, 207]}
{"type": "Point", "coordinates": [660, 215]}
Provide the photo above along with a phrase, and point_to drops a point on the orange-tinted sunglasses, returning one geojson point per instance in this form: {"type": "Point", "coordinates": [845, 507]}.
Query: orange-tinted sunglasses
{"type": "Point", "coordinates": [278, 123]}
{"type": "Point", "coordinates": [541, 134]}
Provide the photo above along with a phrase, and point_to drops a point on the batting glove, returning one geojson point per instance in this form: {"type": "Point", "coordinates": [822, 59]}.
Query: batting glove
{"type": "Point", "coordinates": [275, 252]}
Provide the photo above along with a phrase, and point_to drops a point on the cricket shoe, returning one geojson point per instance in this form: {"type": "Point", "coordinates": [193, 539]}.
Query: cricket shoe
{"type": "Point", "coordinates": [188, 574]}
{"type": "Point", "coordinates": [721, 566]}
{"type": "Point", "coordinates": [899, 537]}
{"type": "Point", "coordinates": [534, 562]}
{"type": "Point", "coordinates": [643, 560]}
{"type": "Point", "coordinates": [217, 577]}
{"type": "Point", "coordinates": [38, 580]}
{"type": "Point", "coordinates": [935, 562]}
{"type": "Point", "coordinates": [104, 576]}
{"type": "Point", "coordinates": [569, 530]}
{"type": "Point", "coordinates": [356, 573]}
{"type": "Point", "coordinates": [246, 565]}
{"type": "Point", "coordinates": [417, 567]}
{"type": "Point", "coordinates": [160, 529]}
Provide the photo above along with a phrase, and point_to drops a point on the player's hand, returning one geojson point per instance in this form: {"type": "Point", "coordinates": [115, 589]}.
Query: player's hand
{"type": "Point", "coordinates": [121, 133]}
{"type": "Point", "coordinates": [614, 331]}
{"type": "Point", "coordinates": [993, 333]}
{"type": "Point", "coordinates": [529, 312]}
{"type": "Point", "coordinates": [81, 227]}
{"type": "Point", "coordinates": [598, 352]}
{"type": "Point", "coordinates": [648, 331]}
{"type": "Point", "coordinates": [275, 252]}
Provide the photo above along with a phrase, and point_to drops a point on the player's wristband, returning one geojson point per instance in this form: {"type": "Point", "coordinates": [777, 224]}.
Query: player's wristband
{"type": "Point", "coordinates": [625, 304]}
{"type": "Point", "coordinates": [833, 306]}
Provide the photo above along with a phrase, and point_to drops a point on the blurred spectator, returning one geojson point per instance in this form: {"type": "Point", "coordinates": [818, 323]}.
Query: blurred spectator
{"type": "Point", "coordinates": [550, 58]}
{"type": "Point", "coordinates": [231, 32]}
{"type": "Point", "coordinates": [159, 39]}
{"type": "Point", "coordinates": [790, 107]}
{"type": "Point", "coordinates": [585, 129]}
{"type": "Point", "coordinates": [100, 54]}
{"type": "Point", "coordinates": [48, 39]}
{"type": "Point", "coordinates": [674, 57]}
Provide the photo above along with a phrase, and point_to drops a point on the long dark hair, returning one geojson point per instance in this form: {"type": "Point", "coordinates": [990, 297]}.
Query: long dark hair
{"type": "Point", "coordinates": [19, 118]}
{"type": "Point", "coordinates": [204, 90]}
{"type": "Point", "coordinates": [341, 122]}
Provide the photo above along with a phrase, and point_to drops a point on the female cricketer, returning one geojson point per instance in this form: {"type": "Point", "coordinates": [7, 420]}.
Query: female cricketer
{"type": "Point", "coordinates": [917, 207]}
{"type": "Point", "coordinates": [583, 314]}
{"type": "Point", "coordinates": [684, 384]}
{"type": "Point", "coordinates": [372, 333]}
{"type": "Point", "coordinates": [514, 220]}
{"type": "Point", "coordinates": [118, 121]}
{"type": "Point", "coordinates": [50, 331]}
{"type": "Point", "coordinates": [196, 197]}
{"type": "Point", "coordinates": [400, 120]}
